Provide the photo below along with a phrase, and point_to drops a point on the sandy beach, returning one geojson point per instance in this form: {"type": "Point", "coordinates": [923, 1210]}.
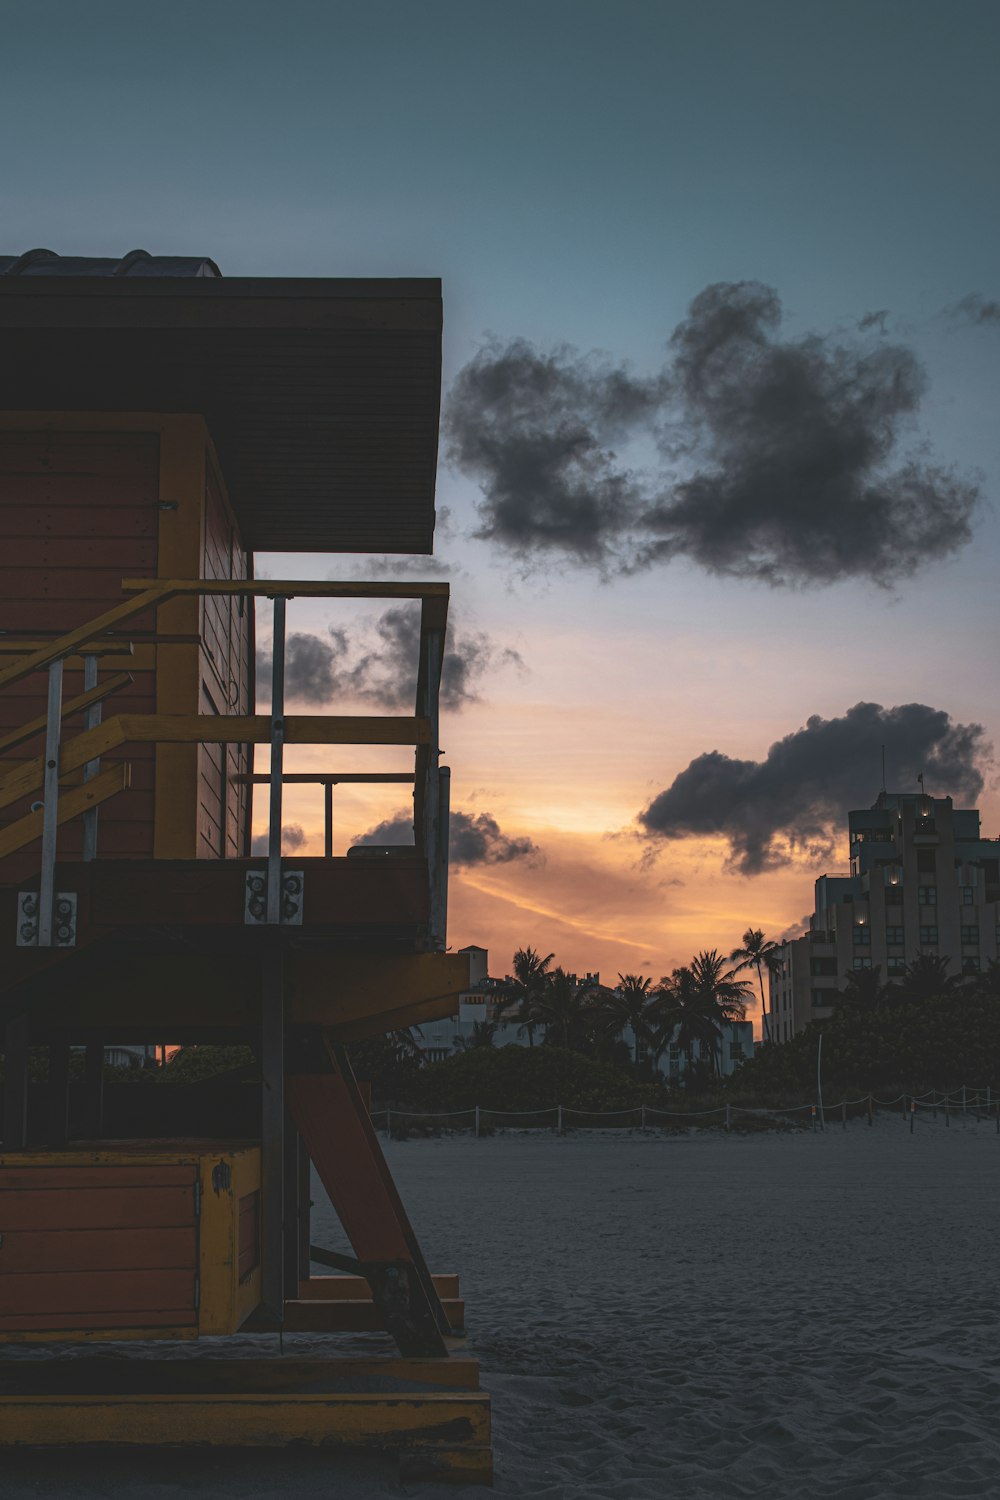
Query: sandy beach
{"type": "Point", "coordinates": [698, 1317]}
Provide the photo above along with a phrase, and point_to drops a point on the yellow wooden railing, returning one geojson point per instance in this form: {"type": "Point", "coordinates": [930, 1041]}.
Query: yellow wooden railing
{"type": "Point", "coordinates": [62, 757]}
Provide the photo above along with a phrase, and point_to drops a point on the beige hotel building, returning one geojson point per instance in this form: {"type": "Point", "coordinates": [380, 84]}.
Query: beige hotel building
{"type": "Point", "coordinates": [923, 880]}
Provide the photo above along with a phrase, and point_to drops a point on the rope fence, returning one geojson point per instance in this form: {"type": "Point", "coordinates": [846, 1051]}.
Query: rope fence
{"type": "Point", "coordinates": [966, 1103]}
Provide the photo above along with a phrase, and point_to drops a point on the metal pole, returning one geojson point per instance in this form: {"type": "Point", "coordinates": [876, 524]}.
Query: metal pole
{"type": "Point", "coordinates": [91, 719]}
{"type": "Point", "coordinates": [559, 1118]}
{"type": "Point", "coordinates": [272, 1067]}
{"type": "Point", "coordinates": [50, 816]}
{"type": "Point", "coordinates": [328, 819]}
{"type": "Point", "coordinates": [819, 1081]}
{"type": "Point", "coordinates": [477, 1120]}
{"type": "Point", "coordinates": [277, 763]}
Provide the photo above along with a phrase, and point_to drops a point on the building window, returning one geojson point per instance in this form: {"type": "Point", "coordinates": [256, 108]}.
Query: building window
{"type": "Point", "coordinates": [824, 997]}
{"type": "Point", "coordinates": [825, 967]}
{"type": "Point", "coordinates": [735, 1051]}
{"type": "Point", "coordinates": [928, 934]}
{"type": "Point", "coordinates": [896, 966]}
{"type": "Point", "coordinates": [926, 861]}
{"type": "Point", "coordinates": [862, 963]}
{"type": "Point", "coordinates": [894, 935]}
{"type": "Point", "coordinates": [970, 935]}
{"type": "Point", "coordinates": [927, 895]}
{"type": "Point", "coordinates": [862, 934]}
{"type": "Point", "coordinates": [970, 965]}
{"type": "Point", "coordinates": [894, 895]}
{"type": "Point", "coordinates": [968, 895]}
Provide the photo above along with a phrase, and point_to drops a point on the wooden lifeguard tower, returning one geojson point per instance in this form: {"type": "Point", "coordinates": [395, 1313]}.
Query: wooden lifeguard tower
{"type": "Point", "coordinates": [159, 425]}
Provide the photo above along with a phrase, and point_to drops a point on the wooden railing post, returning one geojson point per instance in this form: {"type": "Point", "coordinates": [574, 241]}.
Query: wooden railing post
{"type": "Point", "coordinates": [427, 793]}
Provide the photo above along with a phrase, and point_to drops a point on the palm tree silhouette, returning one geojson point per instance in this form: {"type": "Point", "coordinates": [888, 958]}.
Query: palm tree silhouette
{"type": "Point", "coordinates": [695, 1001]}
{"type": "Point", "coordinates": [629, 1005]}
{"type": "Point", "coordinates": [755, 953]}
{"type": "Point", "coordinates": [530, 980]}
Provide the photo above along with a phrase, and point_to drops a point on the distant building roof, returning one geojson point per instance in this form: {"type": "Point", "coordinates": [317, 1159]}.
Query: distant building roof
{"type": "Point", "coordinates": [135, 263]}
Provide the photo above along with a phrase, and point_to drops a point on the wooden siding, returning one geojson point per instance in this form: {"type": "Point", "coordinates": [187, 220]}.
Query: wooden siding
{"type": "Point", "coordinates": [78, 512]}
{"type": "Point", "coordinates": [94, 1247]}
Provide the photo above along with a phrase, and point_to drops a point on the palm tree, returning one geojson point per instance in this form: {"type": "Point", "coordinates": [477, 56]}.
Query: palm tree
{"type": "Point", "coordinates": [927, 977]}
{"type": "Point", "coordinates": [864, 990]}
{"type": "Point", "coordinates": [530, 980]}
{"type": "Point", "coordinates": [628, 1005]}
{"type": "Point", "coordinates": [755, 953]}
{"type": "Point", "coordinates": [695, 1001]}
{"type": "Point", "coordinates": [565, 1011]}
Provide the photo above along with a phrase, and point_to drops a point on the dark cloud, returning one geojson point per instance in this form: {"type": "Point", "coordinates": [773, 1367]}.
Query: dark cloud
{"type": "Point", "coordinates": [292, 837]}
{"type": "Point", "coordinates": [380, 666]}
{"type": "Point", "coordinates": [537, 431]}
{"type": "Point", "coordinates": [976, 308]}
{"type": "Point", "coordinates": [780, 459]}
{"type": "Point", "coordinates": [796, 799]}
{"type": "Point", "coordinates": [473, 839]}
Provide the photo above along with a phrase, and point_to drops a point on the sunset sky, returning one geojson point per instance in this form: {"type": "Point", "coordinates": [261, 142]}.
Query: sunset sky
{"type": "Point", "coordinates": [660, 545]}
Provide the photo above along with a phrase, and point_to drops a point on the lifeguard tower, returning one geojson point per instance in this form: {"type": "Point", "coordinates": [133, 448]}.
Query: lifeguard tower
{"type": "Point", "coordinates": [159, 425]}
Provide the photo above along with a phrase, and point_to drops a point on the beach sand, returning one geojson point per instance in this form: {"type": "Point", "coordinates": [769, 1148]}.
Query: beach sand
{"type": "Point", "coordinates": [679, 1318]}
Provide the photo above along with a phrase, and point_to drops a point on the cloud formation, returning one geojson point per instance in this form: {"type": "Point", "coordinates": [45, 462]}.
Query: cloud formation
{"type": "Point", "coordinates": [780, 459]}
{"type": "Point", "coordinates": [977, 309]}
{"type": "Point", "coordinates": [473, 839]}
{"type": "Point", "coordinates": [795, 801]}
{"type": "Point", "coordinates": [292, 837]}
{"type": "Point", "coordinates": [380, 667]}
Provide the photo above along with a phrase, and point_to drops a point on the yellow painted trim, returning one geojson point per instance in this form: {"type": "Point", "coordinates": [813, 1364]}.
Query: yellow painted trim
{"type": "Point", "coordinates": [71, 804]}
{"type": "Point", "coordinates": [96, 1335]}
{"type": "Point", "coordinates": [396, 1418]}
{"type": "Point", "coordinates": [225, 1305]}
{"type": "Point", "coordinates": [182, 483]}
{"type": "Point", "coordinates": [206, 729]}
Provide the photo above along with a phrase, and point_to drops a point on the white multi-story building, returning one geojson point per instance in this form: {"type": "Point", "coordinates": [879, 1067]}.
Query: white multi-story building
{"type": "Point", "coordinates": [923, 880]}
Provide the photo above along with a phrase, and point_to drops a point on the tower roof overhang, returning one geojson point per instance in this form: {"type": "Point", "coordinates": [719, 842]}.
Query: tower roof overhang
{"type": "Point", "coordinates": [322, 396]}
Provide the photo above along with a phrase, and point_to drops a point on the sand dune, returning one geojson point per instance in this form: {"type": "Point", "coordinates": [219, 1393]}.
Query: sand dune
{"type": "Point", "coordinates": [697, 1318]}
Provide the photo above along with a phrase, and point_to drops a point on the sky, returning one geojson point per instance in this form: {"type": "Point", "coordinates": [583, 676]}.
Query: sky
{"type": "Point", "coordinates": [720, 457]}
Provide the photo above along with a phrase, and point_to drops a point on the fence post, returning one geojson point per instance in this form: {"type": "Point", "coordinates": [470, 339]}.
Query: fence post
{"type": "Point", "coordinates": [477, 1121]}
{"type": "Point", "coordinates": [913, 1113]}
{"type": "Point", "coordinates": [963, 1098]}
{"type": "Point", "coordinates": [870, 1120]}
{"type": "Point", "coordinates": [559, 1129]}
{"type": "Point", "coordinates": [388, 1123]}
{"type": "Point", "coordinates": [727, 1116]}
{"type": "Point", "coordinates": [904, 1110]}
{"type": "Point", "coordinates": [933, 1104]}
{"type": "Point", "coordinates": [947, 1109]}
{"type": "Point", "coordinates": [643, 1120]}
{"type": "Point", "coordinates": [812, 1108]}
{"type": "Point", "coordinates": [843, 1113]}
